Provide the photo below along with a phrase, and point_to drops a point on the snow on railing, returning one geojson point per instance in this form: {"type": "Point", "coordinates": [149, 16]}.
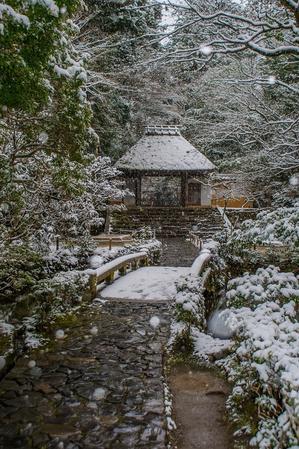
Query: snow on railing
{"type": "Point", "coordinates": [201, 261]}
{"type": "Point", "coordinates": [107, 271]}
{"type": "Point", "coordinates": [227, 222]}
{"type": "Point", "coordinates": [195, 240]}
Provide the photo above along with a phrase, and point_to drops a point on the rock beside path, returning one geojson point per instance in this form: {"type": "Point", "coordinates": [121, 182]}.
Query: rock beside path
{"type": "Point", "coordinates": [99, 387]}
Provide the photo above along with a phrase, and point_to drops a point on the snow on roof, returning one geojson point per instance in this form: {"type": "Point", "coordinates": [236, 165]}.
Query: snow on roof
{"type": "Point", "coordinates": [162, 148]}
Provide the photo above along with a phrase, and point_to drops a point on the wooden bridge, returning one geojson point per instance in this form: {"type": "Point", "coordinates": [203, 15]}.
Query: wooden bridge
{"type": "Point", "coordinates": [131, 262]}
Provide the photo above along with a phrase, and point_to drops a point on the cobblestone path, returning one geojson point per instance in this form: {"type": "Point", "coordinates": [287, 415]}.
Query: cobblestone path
{"type": "Point", "coordinates": [178, 252]}
{"type": "Point", "coordinates": [88, 390]}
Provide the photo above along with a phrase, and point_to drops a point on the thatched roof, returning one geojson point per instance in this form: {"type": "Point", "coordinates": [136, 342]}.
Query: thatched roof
{"type": "Point", "coordinates": [162, 149]}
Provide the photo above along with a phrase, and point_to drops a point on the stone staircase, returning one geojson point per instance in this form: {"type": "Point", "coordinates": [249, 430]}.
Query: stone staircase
{"type": "Point", "coordinates": [169, 222]}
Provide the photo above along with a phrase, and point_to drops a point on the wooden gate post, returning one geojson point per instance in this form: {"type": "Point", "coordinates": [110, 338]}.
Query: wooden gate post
{"type": "Point", "coordinates": [93, 285]}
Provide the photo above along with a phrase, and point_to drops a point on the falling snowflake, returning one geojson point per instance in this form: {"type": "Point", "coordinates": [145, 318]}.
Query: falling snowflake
{"type": "Point", "coordinates": [43, 137]}
{"type": "Point", "coordinates": [94, 330]}
{"type": "Point", "coordinates": [206, 50]}
{"type": "Point", "coordinates": [59, 334]}
{"type": "Point", "coordinates": [155, 322]}
{"type": "Point", "coordinates": [98, 394]}
{"type": "Point", "coordinates": [294, 180]}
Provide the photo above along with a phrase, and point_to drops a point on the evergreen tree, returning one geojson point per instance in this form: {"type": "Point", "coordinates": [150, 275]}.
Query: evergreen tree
{"type": "Point", "coordinates": [115, 32]}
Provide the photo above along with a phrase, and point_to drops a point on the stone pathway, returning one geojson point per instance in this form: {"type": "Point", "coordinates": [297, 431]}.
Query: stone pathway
{"type": "Point", "coordinates": [92, 390]}
{"type": "Point", "coordinates": [199, 409]}
{"type": "Point", "coordinates": [102, 391]}
{"type": "Point", "coordinates": [178, 252]}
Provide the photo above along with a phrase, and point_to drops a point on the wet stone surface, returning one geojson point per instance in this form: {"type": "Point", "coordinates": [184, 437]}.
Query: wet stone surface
{"type": "Point", "coordinates": [91, 390]}
{"type": "Point", "coordinates": [178, 252]}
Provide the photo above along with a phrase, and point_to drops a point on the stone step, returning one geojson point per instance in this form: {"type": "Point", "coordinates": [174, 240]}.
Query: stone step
{"type": "Point", "coordinates": [169, 222]}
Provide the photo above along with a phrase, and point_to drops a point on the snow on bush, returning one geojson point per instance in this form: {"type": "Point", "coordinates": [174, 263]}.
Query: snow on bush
{"type": "Point", "coordinates": [152, 247]}
{"type": "Point", "coordinates": [279, 226]}
{"type": "Point", "coordinates": [207, 347]}
{"type": "Point", "coordinates": [264, 369]}
{"type": "Point", "coordinates": [189, 313]}
{"type": "Point", "coordinates": [189, 301]}
{"type": "Point", "coordinates": [267, 284]}
{"type": "Point", "coordinates": [60, 293]}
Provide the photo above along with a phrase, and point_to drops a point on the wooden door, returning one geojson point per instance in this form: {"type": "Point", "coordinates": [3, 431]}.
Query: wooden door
{"type": "Point", "coordinates": [194, 193]}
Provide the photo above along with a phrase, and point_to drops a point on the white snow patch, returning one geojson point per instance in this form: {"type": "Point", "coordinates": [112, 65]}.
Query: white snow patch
{"type": "Point", "coordinates": [96, 261]}
{"type": "Point", "coordinates": [206, 50]}
{"type": "Point", "coordinates": [9, 11]}
{"type": "Point", "coordinates": [114, 263]}
{"type": "Point", "coordinates": [148, 283]}
{"type": "Point", "coordinates": [205, 345]}
{"type": "Point", "coordinates": [198, 264]}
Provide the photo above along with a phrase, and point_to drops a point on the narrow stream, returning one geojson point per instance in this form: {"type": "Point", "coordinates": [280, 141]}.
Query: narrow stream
{"type": "Point", "coordinates": [199, 409]}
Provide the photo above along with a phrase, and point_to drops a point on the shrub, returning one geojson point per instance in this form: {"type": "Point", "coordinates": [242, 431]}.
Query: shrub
{"type": "Point", "coordinates": [263, 369]}
{"type": "Point", "coordinates": [60, 293]}
{"type": "Point", "coordinates": [267, 284]}
{"type": "Point", "coordinates": [189, 302]}
{"type": "Point", "coordinates": [20, 269]}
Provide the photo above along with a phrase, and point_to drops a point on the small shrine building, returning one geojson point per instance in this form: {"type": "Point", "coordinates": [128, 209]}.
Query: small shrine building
{"type": "Point", "coordinates": [164, 170]}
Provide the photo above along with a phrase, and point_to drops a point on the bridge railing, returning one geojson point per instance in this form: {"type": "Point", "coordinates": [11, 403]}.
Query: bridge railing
{"type": "Point", "coordinates": [201, 262]}
{"type": "Point", "coordinates": [119, 265]}
{"type": "Point", "coordinates": [195, 240]}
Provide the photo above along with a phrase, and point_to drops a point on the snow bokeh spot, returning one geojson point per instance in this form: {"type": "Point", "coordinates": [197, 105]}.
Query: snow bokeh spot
{"type": "Point", "coordinates": [32, 364]}
{"type": "Point", "coordinates": [206, 50]}
{"type": "Point", "coordinates": [155, 322]}
{"type": "Point", "coordinates": [59, 334]}
{"type": "Point", "coordinates": [99, 394]}
{"type": "Point", "coordinates": [94, 330]}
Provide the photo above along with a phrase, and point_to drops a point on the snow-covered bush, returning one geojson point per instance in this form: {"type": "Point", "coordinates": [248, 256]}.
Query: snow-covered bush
{"type": "Point", "coordinates": [278, 226]}
{"type": "Point", "coordinates": [271, 239]}
{"type": "Point", "coordinates": [152, 247]}
{"type": "Point", "coordinates": [144, 233]}
{"type": "Point", "coordinates": [263, 368]}
{"type": "Point", "coordinates": [189, 301]}
{"type": "Point", "coordinates": [189, 313]}
{"type": "Point", "coordinates": [239, 256]}
{"type": "Point", "coordinates": [20, 269]}
{"type": "Point", "coordinates": [60, 293]}
{"type": "Point", "coordinates": [74, 257]}
{"type": "Point", "coordinates": [267, 284]}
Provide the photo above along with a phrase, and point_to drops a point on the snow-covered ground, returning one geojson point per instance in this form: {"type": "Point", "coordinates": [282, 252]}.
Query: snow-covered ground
{"type": "Point", "coordinates": [206, 345]}
{"type": "Point", "coordinates": [148, 283]}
